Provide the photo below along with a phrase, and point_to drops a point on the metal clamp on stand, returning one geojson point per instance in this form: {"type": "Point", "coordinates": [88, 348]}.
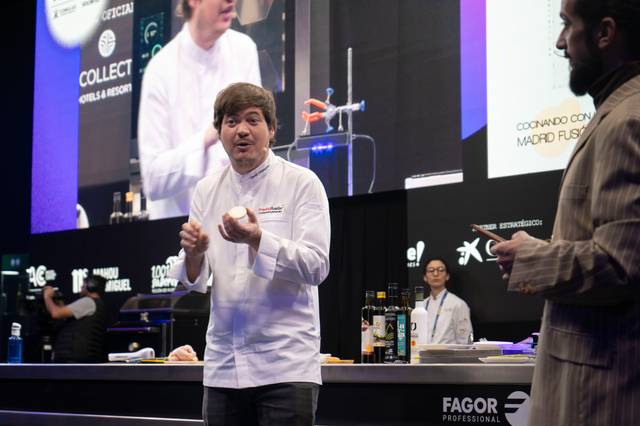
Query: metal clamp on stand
{"type": "Point", "coordinates": [331, 154]}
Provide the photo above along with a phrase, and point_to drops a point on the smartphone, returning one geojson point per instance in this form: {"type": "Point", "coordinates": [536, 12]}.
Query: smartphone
{"type": "Point", "coordinates": [490, 235]}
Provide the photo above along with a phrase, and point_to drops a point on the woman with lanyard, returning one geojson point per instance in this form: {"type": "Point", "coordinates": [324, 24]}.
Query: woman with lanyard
{"type": "Point", "coordinates": [448, 319]}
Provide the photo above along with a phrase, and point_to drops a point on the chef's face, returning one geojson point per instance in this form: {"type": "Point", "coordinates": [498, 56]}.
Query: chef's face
{"type": "Point", "coordinates": [212, 15]}
{"type": "Point", "coordinates": [245, 136]}
{"type": "Point", "coordinates": [436, 274]}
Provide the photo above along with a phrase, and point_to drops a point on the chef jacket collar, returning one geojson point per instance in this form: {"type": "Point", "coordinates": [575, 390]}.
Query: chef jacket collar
{"type": "Point", "coordinates": [194, 51]}
{"type": "Point", "coordinates": [254, 176]}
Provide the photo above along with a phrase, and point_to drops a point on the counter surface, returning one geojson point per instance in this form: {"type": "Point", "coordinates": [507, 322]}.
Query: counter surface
{"type": "Point", "coordinates": [458, 374]}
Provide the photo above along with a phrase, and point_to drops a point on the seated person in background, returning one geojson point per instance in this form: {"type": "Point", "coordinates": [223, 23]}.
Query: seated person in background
{"type": "Point", "coordinates": [183, 353]}
{"type": "Point", "coordinates": [81, 337]}
{"type": "Point", "coordinates": [448, 319]}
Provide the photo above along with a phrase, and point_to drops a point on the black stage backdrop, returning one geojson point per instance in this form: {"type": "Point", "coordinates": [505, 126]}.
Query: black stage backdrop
{"type": "Point", "coordinates": [406, 65]}
{"type": "Point", "coordinates": [368, 240]}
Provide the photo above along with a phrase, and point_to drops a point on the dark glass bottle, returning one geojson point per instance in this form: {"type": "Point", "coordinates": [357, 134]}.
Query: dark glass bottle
{"type": "Point", "coordinates": [144, 214]}
{"type": "Point", "coordinates": [46, 354]}
{"type": "Point", "coordinates": [391, 324]}
{"type": "Point", "coordinates": [379, 341]}
{"type": "Point", "coordinates": [404, 327]}
{"type": "Point", "coordinates": [366, 330]}
{"type": "Point", "coordinates": [116, 215]}
{"type": "Point", "coordinates": [128, 202]}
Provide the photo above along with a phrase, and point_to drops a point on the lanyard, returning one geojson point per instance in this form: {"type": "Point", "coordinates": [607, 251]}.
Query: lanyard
{"type": "Point", "coordinates": [435, 323]}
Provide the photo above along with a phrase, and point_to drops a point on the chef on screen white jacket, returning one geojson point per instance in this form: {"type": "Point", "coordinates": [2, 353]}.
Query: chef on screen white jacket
{"type": "Point", "coordinates": [179, 87]}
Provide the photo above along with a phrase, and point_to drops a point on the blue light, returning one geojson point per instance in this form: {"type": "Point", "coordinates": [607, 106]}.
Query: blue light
{"type": "Point", "coordinates": [322, 147]}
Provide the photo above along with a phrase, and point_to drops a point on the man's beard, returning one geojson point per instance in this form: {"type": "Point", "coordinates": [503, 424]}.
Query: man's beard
{"type": "Point", "coordinates": [584, 73]}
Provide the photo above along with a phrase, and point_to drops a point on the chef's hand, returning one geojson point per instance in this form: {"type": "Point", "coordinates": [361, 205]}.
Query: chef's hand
{"type": "Point", "coordinates": [195, 242]}
{"type": "Point", "coordinates": [193, 239]}
{"type": "Point", "coordinates": [236, 232]}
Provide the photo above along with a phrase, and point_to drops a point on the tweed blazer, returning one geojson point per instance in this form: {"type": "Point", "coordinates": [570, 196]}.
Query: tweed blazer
{"type": "Point", "coordinates": [588, 364]}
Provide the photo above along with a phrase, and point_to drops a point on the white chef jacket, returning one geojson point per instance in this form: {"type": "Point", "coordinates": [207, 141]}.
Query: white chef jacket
{"type": "Point", "coordinates": [454, 324]}
{"type": "Point", "coordinates": [264, 325]}
{"type": "Point", "coordinates": [179, 87]}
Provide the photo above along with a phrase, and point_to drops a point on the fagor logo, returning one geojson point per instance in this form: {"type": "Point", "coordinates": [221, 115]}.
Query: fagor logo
{"type": "Point", "coordinates": [516, 409]}
{"type": "Point", "coordinates": [107, 43]}
{"type": "Point", "coordinates": [470, 410]}
{"type": "Point", "coordinates": [414, 254]}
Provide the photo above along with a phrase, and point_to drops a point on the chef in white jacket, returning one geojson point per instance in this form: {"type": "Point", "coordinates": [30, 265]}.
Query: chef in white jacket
{"type": "Point", "coordinates": [259, 228]}
{"type": "Point", "coordinates": [448, 316]}
{"type": "Point", "coordinates": [176, 139]}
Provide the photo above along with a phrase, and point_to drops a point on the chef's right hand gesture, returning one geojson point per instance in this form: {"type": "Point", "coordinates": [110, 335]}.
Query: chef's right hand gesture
{"type": "Point", "coordinates": [193, 239]}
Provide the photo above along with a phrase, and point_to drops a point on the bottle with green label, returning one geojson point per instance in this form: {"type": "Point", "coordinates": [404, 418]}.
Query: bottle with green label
{"type": "Point", "coordinates": [391, 324]}
{"type": "Point", "coordinates": [404, 324]}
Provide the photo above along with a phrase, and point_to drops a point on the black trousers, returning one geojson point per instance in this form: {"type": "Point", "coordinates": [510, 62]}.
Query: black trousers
{"type": "Point", "coordinates": [290, 404]}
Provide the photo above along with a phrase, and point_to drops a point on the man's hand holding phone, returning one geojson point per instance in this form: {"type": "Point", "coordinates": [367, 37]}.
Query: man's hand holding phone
{"type": "Point", "coordinates": [487, 234]}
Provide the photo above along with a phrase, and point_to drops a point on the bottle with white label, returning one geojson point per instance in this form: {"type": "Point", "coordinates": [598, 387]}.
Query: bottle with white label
{"type": "Point", "coordinates": [366, 329]}
{"type": "Point", "coordinates": [418, 325]}
{"type": "Point", "coordinates": [379, 342]}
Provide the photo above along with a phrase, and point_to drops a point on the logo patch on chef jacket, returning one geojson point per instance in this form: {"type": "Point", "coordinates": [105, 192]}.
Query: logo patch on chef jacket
{"type": "Point", "coordinates": [271, 211]}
